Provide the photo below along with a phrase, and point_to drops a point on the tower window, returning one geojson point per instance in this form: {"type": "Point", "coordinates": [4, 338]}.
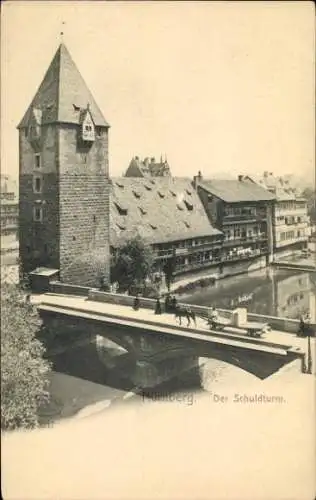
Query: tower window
{"type": "Point", "coordinates": [37, 185]}
{"type": "Point", "coordinates": [38, 214]}
{"type": "Point", "coordinates": [37, 160]}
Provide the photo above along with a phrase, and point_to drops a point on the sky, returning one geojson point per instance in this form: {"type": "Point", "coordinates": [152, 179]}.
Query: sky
{"type": "Point", "coordinates": [221, 87]}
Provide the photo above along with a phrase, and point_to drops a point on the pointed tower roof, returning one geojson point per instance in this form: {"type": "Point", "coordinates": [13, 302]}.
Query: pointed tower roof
{"type": "Point", "coordinates": [62, 94]}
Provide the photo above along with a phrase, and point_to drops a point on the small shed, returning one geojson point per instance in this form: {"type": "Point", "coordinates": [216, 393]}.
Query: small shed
{"type": "Point", "coordinates": [41, 277]}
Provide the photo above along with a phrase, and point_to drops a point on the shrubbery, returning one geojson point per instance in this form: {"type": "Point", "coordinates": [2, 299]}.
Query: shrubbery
{"type": "Point", "coordinates": [24, 372]}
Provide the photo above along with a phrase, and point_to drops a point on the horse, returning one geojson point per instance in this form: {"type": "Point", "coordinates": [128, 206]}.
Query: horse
{"type": "Point", "coordinates": [185, 312]}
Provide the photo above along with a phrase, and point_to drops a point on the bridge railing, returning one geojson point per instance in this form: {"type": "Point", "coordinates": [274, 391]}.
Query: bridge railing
{"type": "Point", "coordinates": [276, 323]}
{"type": "Point", "coordinates": [67, 289]}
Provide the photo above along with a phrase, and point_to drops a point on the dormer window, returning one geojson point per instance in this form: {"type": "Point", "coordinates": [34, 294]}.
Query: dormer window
{"type": "Point", "coordinates": [34, 132]}
{"type": "Point", "coordinates": [122, 210]}
{"type": "Point", "coordinates": [188, 205]}
{"type": "Point", "coordinates": [136, 194]}
{"type": "Point", "coordinates": [87, 127]}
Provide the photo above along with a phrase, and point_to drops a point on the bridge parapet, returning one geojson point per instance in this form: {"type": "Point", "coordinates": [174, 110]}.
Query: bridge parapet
{"type": "Point", "coordinates": [280, 324]}
{"type": "Point", "coordinates": [146, 336]}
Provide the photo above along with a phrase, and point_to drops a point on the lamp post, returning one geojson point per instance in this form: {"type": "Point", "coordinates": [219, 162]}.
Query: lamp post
{"type": "Point", "coordinates": [309, 351]}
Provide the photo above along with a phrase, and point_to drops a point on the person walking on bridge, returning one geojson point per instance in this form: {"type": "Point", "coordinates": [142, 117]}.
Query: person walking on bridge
{"type": "Point", "coordinates": [136, 303]}
{"type": "Point", "coordinates": [158, 306]}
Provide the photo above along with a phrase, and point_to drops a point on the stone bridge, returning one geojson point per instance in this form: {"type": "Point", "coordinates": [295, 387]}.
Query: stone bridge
{"type": "Point", "coordinates": [156, 345]}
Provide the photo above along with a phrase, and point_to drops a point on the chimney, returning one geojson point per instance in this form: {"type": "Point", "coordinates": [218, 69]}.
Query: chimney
{"type": "Point", "coordinates": [265, 174]}
{"type": "Point", "coordinates": [240, 178]}
{"type": "Point", "coordinates": [196, 179]}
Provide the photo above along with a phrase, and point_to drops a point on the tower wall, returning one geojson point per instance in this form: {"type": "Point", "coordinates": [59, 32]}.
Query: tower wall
{"type": "Point", "coordinates": [39, 240]}
{"type": "Point", "coordinates": [83, 207]}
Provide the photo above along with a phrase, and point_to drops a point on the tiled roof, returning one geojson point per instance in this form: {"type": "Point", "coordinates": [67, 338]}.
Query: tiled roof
{"type": "Point", "coordinates": [280, 186]}
{"type": "Point", "coordinates": [236, 191]}
{"type": "Point", "coordinates": [63, 94]}
{"type": "Point", "coordinates": [159, 210]}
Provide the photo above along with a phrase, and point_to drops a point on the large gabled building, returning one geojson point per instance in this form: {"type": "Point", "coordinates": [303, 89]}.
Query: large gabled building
{"type": "Point", "coordinates": [167, 214]}
{"type": "Point", "coordinates": [290, 221]}
{"type": "Point", "coordinates": [64, 178]}
{"type": "Point", "coordinates": [242, 210]}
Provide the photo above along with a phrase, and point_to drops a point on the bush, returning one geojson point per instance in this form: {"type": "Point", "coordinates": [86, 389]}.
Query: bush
{"type": "Point", "coordinates": [24, 372]}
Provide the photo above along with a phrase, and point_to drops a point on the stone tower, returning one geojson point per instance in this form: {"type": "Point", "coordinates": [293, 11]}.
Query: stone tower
{"type": "Point", "coordinates": [64, 178]}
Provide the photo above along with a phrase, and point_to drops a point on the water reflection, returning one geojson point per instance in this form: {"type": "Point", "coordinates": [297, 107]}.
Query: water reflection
{"type": "Point", "coordinates": [270, 291]}
{"type": "Point", "coordinates": [100, 374]}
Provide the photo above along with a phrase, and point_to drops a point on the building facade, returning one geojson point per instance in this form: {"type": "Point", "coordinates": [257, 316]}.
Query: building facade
{"type": "Point", "coordinates": [290, 221]}
{"type": "Point", "coordinates": [243, 212]}
{"type": "Point", "coordinates": [9, 207]}
{"type": "Point", "coordinates": [167, 214]}
{"type": "Point", "coordinates": [64, 178]}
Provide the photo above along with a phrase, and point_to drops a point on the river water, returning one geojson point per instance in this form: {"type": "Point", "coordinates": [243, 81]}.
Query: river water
{"type": "Point", "coordinates": [270, 291]}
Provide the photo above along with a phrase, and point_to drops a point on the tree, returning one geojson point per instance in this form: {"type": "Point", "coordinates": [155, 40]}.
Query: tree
{"type": "Point", "coordinates": [169, 269]}
{"type": "Point", "coordinates": [132, 263]}
{"type": "Point", "coordinates": [24, 372]}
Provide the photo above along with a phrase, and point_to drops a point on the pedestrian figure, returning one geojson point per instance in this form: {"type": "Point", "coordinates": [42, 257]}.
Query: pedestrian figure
{"type": "Point", "coordinates": [167, 303]}
{"type": "Point", "coordinates": [136, 303]}
{"type": "Point", "coordinates": [301, 329]}
{"type": "Point", "coordinates": [174, 304]}
{"type": "Point", "coordinates": [212, 316]}
{"type": "Point", "coordinates": [158, 307]}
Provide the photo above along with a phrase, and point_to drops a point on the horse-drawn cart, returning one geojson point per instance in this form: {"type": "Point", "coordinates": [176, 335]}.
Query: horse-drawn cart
{"type": "Point", "coordinates": [252, 328]}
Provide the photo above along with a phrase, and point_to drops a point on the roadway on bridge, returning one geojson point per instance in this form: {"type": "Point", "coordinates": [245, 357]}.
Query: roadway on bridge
{"type": "Point", "coordinates": [147, 316]}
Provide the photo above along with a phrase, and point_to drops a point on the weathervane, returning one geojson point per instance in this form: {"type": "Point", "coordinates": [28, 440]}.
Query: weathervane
{"type": "Point", "coordinates": [62, 31]}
